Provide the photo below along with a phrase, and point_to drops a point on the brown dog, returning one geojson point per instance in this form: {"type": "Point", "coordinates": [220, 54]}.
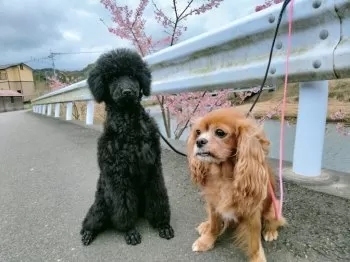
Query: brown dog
{"type": "Point", "coordinates": [227, 158]}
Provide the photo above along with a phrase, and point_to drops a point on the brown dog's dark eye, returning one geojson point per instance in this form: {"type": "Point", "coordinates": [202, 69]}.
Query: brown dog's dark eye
{"type": "Point", "coordinates": [198, 132]}
{"type": "Point", "coordinates": [220, 133]}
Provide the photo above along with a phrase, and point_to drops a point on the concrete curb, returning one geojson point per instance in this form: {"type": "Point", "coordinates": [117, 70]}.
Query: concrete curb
{"type": "Point", "coordinates": [327, 177]}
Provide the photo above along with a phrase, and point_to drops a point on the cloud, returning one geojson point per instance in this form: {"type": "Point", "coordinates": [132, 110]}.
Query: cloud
{"type": "Point", "coordinates": [30, 29]}
{"type": "Point", "coordinates": [71, 36]}
{"type": "Point", "coordinates": [23, 27]}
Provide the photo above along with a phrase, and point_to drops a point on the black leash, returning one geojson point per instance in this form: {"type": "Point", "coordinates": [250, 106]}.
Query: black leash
{"type": "Point", "coordinates": [285, 3]}
{"type": "Point", "coordinates": [174, 149]}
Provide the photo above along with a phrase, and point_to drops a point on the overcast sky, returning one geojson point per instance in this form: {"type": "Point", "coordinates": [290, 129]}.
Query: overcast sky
{"type": "Point", "coordinates": [31, 28]}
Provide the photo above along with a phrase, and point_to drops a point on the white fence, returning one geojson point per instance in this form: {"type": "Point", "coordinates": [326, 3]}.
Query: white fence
{"type": "Point", "coordinates": [236, 56]}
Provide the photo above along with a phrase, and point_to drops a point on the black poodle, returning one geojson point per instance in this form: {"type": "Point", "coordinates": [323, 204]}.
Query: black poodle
{"type": "Point", "coordinates": [131, 183]}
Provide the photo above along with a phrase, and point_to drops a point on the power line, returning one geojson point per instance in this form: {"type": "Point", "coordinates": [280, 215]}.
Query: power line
{"type": "Point", "coordinates": [53, 54]}
{"type": "Point", "coordinates": [76, 53]}
{"type": "Point", "coordinates": [51, 57]}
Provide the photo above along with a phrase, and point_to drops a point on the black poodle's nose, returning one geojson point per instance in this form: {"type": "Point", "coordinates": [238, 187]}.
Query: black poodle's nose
{"type": "Point", "coordinates": [201, 142]}
{"type": "Point", "coordinates": [126, 92]}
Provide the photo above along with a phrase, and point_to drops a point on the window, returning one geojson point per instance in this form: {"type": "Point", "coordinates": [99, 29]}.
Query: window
{"type": "Point", "coordinates": [12, 99]}
{"type": "Point", "coordinates": [21, 66]}
{"type": "Point", "coordinates": [3, 75]}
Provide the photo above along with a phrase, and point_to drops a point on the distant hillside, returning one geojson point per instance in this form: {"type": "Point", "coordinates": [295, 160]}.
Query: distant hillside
{"type": "Point", "coordinates": [41, 75]}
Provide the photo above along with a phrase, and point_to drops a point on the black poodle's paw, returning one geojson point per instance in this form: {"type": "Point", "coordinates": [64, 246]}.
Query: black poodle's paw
{"type": "Point", "coordinates": [166, 232]}
{"type": "Point", "coordinates": [87, 237]}
{"type": "Point", "coordinates": [133, 237]}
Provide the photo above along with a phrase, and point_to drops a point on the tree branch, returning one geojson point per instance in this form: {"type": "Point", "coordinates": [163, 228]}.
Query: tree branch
{"type": "Point", "coordinates": [174, 4]}
{"type": "Point", "coordinates": [137, 42]}
{"type": "Point", "coordinates": [188, 5]}
{"type": "Point", "coordinates": [188, 120]}
{"type": "Point", "coordinates": [173, 34]}
{"type": "Point", "coordinates": [160, 11]}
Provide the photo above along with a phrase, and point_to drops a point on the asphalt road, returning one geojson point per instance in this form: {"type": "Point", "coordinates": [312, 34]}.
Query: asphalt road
{"type": "Point", "coordinates": [48, 173]}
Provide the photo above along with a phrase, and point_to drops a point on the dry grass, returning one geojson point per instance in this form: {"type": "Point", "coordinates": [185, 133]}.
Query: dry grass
{"type": "Point", "coordinates": [338, 99]}
{"type": "Point", "coordinates": [79, 111]}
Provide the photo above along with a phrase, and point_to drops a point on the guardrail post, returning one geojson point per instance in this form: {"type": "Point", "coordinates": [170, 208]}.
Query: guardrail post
{"type": "Point", "coordinates": [90, 112]}
{"type": "Point", "coordinates": [310, 130]}
{"type": "Point", "coordinates": [69, 111]}
{"type": "Point", "coordinates": [57, 110]}
{"type": "Point", "coordinates": [49, 110]}
{"type": "Point", "coordinates": [44, 109]}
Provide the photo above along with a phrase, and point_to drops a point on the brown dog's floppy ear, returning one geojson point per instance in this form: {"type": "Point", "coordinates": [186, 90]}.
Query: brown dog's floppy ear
{"type": "Point", "coordinates": [251, 170]}
{"type": "Point", "coordinates": [198, 171]}
{"type": "Point", "coordinates": [96, 85]}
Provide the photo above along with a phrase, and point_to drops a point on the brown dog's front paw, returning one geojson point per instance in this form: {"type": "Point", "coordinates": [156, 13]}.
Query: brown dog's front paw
{"type": "Point", "coordinates": [270, 235]}
{"type": "Point", "coordinates": [202, 244]}
{"type": "Point", "coordinates": [203, 227]}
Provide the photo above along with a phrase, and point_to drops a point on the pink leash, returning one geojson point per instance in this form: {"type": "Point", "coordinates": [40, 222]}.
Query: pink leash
{"type": "Point", "coordinates": [278, 211]}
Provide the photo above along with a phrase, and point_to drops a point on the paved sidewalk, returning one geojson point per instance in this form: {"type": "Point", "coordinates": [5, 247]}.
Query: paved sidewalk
{"type": "Point", "coordinates": [48, 173]}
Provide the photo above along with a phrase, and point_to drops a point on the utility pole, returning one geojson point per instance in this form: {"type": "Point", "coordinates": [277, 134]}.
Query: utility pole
{"type": "Point", "coordinates": [52, 56]}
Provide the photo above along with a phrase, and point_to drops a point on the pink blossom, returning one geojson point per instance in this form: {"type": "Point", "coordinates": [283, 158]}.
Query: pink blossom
{"type": "Point", "coordinates": [338, 115]}
{"type": "Point", "coordinates": [340, 126]}
{"type": "Point", "coordinates": [183, 106]}
{"type": "Point", "coordinates": [267, 4]}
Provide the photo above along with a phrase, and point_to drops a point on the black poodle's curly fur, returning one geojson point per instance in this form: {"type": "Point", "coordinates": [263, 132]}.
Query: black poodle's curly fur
{"type": "Point", "coordinates": [131, 183]}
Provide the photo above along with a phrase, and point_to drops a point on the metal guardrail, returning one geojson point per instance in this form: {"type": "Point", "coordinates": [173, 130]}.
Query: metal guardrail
{"type": "Point", "coordinates": [236, 55]}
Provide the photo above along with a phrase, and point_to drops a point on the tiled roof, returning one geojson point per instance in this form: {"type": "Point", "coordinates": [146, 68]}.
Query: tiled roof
{"type": "Point", "coordinates": [9, 93]}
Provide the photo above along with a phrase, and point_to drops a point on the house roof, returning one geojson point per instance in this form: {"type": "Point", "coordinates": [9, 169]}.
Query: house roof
{"type": "Point", "coordinates": [9, 93]}
{"type": "Point", "coordinates": [12, 65]}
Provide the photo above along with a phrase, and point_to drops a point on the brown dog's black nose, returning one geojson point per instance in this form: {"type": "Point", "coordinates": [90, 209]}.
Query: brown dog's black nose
{"type": "Point", "coordinates": [201, 142]}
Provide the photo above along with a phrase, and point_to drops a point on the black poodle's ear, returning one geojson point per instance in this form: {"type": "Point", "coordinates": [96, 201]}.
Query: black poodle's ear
{"type": "Point", "coordinates": [145, 80]}
{"type": "Point", "coordinates": [96, 85]}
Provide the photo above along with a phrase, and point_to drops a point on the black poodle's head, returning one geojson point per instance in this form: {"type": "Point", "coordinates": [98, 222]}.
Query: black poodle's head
{"type": "Point", "coordinates": [120, 77]}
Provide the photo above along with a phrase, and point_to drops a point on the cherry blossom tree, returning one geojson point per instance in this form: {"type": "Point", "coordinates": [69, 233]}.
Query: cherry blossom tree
{"type": "Point", "coordinates": [55, 83]}
{"type": "Point", "coordinates": [186, 107]}
{"type": "Point", "coordinates": [129, 24]}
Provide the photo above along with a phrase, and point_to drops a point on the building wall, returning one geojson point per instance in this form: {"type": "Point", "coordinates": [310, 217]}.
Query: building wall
{"type": "Point", "coordinates": [28, 91]}
{"type": "Point", "coordinates": [26, 74]}
{"type": "Point", "coordinates": [19, 80]}
{"type": "Point", "coordinates": [16, 86]}
{"type": "Point", "coordinates": [3, 75]}
{"type": "Point", "coordinates": [10, 103]}
{"type": "Point", "coordinates": [4, 85]}
{"type": "Point", "coordinates": [13, 74]}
